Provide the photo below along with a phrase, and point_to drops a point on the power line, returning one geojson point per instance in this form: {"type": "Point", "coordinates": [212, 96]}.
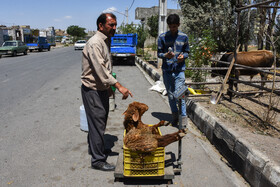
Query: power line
{"type": "Point", "coordinates": [131, 5]}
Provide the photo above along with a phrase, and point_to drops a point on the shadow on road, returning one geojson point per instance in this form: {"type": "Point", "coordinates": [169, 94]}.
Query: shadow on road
{"type": "Point", "coordinates": [162, 116]}
{"type": "Point", "coordinates": [109, 143]}
{"type": "Point", "coordinates": [144, 181]}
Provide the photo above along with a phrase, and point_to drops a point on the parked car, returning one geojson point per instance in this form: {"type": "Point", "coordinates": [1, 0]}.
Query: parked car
{"type": "Point", "coordinates": [40, 44]}
{"type": "Point", "coordinates": [80, 44]}
{"type": "Point", "coordinates": [66, 41]}
{"type": "Point", "coordinates": [13, 47]}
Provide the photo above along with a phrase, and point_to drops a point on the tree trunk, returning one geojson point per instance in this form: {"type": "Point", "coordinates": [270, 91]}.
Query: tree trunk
{"type": "Point", "coordinates": [271, 24]}
{"type": "Point", "coordinates": [248, 29]}
{"type": "Point", "coordinates": [262, 15]}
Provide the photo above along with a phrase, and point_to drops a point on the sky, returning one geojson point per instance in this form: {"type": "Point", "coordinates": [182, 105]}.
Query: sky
{"type": "Point", "coordinates": [60, 14]}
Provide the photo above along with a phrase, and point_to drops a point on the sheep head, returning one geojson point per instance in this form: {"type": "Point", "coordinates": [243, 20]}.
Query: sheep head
{"type": "Point", "coordinates": [132, 115]}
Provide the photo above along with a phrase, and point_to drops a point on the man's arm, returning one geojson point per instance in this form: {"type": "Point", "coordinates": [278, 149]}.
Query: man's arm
{"type": "Point", "coordinates": [124, 91]}
{"type": "Point", "coordinates": [161, 53]}
{"type": "Point", "coordinates": [185, 51]}
{"type": "Point", "coordinates": [97, 55]}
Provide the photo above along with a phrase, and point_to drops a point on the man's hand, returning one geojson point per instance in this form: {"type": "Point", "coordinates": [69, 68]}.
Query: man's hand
{"type": "Point", "coordinates": [169, 55]}
{"type": "Point", "coordinates": [124, 91]}
{"type": "Point", "coordinates": [180, 58]}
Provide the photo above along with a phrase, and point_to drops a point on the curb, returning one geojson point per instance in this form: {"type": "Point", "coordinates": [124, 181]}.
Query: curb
{"type": "Point", "coordinates": [148, 69]}
{"type": "Point", "coordinates": [253, 165]}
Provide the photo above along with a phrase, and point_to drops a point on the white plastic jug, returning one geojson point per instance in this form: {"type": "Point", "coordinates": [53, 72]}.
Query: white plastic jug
{"type": "Point", "coordinates": [83, 119]}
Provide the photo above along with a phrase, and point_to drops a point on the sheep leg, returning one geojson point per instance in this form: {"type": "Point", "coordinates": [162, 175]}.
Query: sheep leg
{"type": "Point", "coordinates": [162, 123]}
{"type": "Point", "coordinates": [263, 78]}
{"type": "Point", "coordinates": [170, 138]}
{"type": "Point", "coordinates": [237, 74]}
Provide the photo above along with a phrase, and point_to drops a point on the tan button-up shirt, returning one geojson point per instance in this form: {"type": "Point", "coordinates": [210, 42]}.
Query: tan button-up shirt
{"type": "Point", "coordinates": [97, 64]}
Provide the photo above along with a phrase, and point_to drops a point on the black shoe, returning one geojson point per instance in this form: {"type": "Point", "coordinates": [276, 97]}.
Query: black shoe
{"type": "Point", "coordinates": [103, 166]}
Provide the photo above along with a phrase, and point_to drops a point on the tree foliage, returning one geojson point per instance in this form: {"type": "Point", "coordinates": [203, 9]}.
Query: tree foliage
{"type": "Point", "coordinates": [201, 51]}
{"type": "Point", "coordinates": [133, 28]}
{"type": "Point", "coordinates": [221, 18]}
{"type": "Point", "coordinates": [127, 28]}
{"type": "Point", "coordinates": [153, 26]}
{"type": "Point", "coordinates": [76, 31]}
{"type": "Point", "coordinates": [217, 16]}
{"type": "Point", "coordinates": [142, 35]}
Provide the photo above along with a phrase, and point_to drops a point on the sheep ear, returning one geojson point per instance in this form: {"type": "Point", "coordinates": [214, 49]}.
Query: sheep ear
{"type": "Point", "coordinates": [124, 113]}
{"type": "Point", "coordinates": [135, 116]}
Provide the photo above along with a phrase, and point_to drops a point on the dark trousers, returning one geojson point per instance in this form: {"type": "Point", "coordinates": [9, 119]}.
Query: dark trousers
{"type": "Point", "coordinates": [96, 105]}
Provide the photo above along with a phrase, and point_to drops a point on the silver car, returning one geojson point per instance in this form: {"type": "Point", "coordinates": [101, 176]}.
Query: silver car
{"type": "Point", "coordinates": [80, 44]}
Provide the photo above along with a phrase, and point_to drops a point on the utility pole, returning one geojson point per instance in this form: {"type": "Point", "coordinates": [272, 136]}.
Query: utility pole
{"type": "Point", "coordinates": [126, 14]}
{"type": "Point", "coordinates": [162, 23]}
{"type": "Point", "coordinates": [162, 16]}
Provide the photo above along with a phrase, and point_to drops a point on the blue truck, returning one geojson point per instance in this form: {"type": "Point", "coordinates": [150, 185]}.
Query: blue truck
{"type": "Point", "coordinates": [123, 48]}
{"type": "Point", "coordinates": [38, 43]}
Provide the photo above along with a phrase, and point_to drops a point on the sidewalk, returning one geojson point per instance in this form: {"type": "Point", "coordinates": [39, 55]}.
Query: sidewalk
{"type": "Point", "coordinates": [256, 167]}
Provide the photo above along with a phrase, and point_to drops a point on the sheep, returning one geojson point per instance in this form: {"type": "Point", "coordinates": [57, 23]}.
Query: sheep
{"type": "Point", "coordinates": [143, 137]}
{"type": "Point", "coordinates": [260, 58]}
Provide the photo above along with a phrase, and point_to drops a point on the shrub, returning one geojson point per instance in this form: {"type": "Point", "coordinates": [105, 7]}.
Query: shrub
{"type": "Point", "coordinates": [201, 51]}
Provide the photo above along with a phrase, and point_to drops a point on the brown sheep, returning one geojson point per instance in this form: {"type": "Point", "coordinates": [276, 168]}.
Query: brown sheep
{"type": "Point", "coordinates": [260, 58]}
{"type": "Point", "coordinates": [143, 137]}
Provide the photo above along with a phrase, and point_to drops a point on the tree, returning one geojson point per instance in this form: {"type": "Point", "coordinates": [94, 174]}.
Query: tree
{"type": "Point", "coordinates": [201, 51]}
{"type": "Point", "coordinates": [220, 17]}
{"type": "Point", "coordinates": [277, 35]}
{"type": "Point", "coordinates": [217, 15]}
{"type": "Point", "coordinates": [76, 31]}
{"type": "Point", "coordinates": [271, 23]}
{"type": "Point", "coordinates": [127, 28]}
{"type": "Point", "coordinates": [142, 35]}
{"type": "Point", "coordinates": [153, 26]}
{"type": "Point", "coordinates": [132, 28]}
{"type": "Point", "coordinates": [247, 26]}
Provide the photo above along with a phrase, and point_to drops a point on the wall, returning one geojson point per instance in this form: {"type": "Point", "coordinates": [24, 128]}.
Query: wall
{"type": "Point", "coordinates": [1, 37]}
{"type": "Point", "coordinates": [143, 14]}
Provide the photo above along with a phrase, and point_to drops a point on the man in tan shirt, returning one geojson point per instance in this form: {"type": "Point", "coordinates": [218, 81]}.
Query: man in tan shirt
{"type": "Point", "coordinates": [97, 80]}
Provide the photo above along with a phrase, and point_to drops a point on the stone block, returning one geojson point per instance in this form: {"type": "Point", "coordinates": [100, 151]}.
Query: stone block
{"type": "Point", "coordinates": [240, 149]}
{"type": "Point", "coordinates": [257, 159]}
{"type": "Point", "coordinates": [251, 174]}
{"type": "Point", "coordinates": [272, 173]}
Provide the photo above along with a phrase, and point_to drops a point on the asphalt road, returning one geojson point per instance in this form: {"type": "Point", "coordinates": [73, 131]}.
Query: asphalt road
{"type": "Point", "coordinates": [41, 143]}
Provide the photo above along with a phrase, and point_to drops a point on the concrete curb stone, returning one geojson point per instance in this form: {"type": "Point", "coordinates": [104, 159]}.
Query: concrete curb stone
{"type": "Point", "coordinates": [148, 69]}
{"type": "Point", "coordinates": [253, 165]}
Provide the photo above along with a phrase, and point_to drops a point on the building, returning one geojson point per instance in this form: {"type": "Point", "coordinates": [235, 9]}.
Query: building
{"type": "Point", "coordinates": [23, 33]}
{"type": "Point", "coordinates": [10, 33]}
{"type": "Point", "coordinates": [143, 14]}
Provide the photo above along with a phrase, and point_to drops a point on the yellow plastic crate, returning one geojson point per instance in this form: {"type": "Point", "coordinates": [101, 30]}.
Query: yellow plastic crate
{"type": "Point", "coordinates": [141, 164]}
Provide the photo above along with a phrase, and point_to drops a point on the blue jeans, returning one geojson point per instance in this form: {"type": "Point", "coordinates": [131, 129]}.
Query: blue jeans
{"type": "Point", "coordinates": [172, 81]}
